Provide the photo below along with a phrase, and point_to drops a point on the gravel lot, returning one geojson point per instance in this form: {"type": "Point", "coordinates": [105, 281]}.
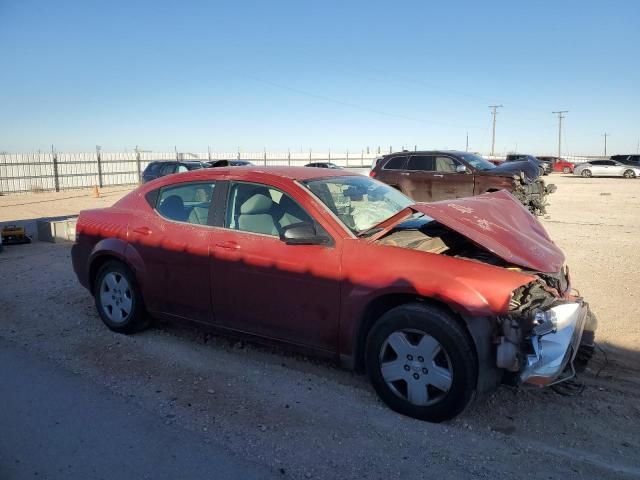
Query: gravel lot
{"type": "Point", "coordinates": [305, 418]}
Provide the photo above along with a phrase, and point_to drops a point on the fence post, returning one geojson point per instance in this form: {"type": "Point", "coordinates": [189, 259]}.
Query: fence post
{"type": "Point", "coordinates": [309, 154]}
{"type": "Point", "coordinates": [362, 157]}
{"type": "Point", "coordinates": [138, 166]}
{"type": "Point", "coordinates": [99, 157]}
{"type": "Point", "coordinates": [289, 156]}
{"type": "Point", "coordinates": [329, 155]}
{"type": "Point", "coordinates": [56, 178]}
{"type": "Point", "coordinates": [238, 153]}
{"type": "Point", "coordinates": [347, 164]}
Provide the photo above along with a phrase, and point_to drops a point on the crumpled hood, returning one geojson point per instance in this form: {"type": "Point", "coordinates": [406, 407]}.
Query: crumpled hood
{"type": "Point", "coordinates": [529, 168]}
{"type": "Point", "coordinates": [499, 223]}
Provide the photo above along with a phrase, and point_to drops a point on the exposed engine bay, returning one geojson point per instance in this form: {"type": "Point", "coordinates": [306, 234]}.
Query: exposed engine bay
{"type": "Point", "coordinates": [533, 195]}
{"type": "Point", "coordinates": [547, 323]}
{"type": "Point", "coordinates": [427, 235]}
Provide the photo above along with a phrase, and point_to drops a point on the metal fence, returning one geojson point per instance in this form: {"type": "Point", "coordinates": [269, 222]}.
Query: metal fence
{"type": "Point", "coordinates": [36, 172]}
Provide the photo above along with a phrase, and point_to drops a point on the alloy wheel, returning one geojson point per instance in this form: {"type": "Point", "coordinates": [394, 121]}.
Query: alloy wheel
{"type": "Point", "coordinates": [415, 367]}
{"type": "Point", "coordinates": [115, 297]}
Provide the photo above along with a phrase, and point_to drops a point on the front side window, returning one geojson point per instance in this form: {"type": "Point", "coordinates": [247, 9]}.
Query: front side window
{"type": "Point", "coordinates": [445, 165]}
{"type": "Point", "coordinates": [258, 208]}
{"type": "Point", "coordinates": [359, 202]}
{"type": "Point", "coordinates": [186, 202]}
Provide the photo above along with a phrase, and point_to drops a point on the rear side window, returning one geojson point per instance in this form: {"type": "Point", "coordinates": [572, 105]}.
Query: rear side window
{"type": "Point", "coordinates": [396, 163]}
{"type": "Point", "coordinates": [422, 162]}
{"type": "Point", "coordinates": [193, 166]}
{"type": "Point", "coordinates": [186, 202]}
{"type": "Point", "coordinates": [153, 168]}
{"type": "Point", "coordinates": [167, 169]}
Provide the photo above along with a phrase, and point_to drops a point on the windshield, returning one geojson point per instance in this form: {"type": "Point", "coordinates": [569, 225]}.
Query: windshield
{"type": "Point", "coordinates": [477, 162]}
{"type": "Point", "coordinates": [359, 202]}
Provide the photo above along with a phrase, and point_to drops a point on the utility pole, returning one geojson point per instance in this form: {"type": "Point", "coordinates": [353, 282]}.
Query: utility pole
{"type": "Point", "coordinates": [466, 149]}
{"type": "Point", "coordinates": [560, 117]}
{"type": "Point", "coordinates": [494, 112]}
{"type": "Point", "coordinates": [605, 142]}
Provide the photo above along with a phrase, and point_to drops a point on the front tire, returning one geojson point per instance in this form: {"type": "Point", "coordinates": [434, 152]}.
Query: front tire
{"type": "Point", "coordinates": [586, 173]}
{"type": "Point", "coordinates": [421, 362]}
{"type": "Point", "coordinates": [118, 299]}
{"type": "Point", "coordinates": [629, 174]}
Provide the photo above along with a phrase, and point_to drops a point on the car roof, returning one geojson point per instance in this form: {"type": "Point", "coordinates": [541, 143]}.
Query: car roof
{"type": "Point", "coordinates": [426, 152]}
{"type": "Point", "coordinates": [254, 172]}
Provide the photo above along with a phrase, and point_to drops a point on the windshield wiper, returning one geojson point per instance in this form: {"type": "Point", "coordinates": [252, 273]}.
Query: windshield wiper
{"type": "Point", "coordinates": [369, 231]}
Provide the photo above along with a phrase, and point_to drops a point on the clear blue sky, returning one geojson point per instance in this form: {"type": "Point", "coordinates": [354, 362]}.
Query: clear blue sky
{"type": "Point", "coordinates": [300, 74]}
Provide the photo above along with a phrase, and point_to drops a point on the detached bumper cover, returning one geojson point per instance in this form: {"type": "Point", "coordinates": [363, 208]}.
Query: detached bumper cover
{"type": "Point", "coordinates": [553, 351]}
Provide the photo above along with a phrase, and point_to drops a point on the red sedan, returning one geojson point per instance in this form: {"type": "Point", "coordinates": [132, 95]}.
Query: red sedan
{"type": "Point", "coordinates": [560, 164]}
{"type": "Point", "coordinates": [435, 301]}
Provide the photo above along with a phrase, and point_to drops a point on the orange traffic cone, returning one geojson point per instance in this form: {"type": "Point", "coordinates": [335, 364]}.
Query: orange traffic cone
{"type": "Point", "coordinates": [96, 191]}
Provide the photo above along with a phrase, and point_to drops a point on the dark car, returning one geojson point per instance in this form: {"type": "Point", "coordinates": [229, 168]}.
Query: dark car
{"type": "Point", "coordinates": [440, 175]}
{"type": "Point", "coordinates": [227, 163]}
{"type": "Point", "coordinates": [323, 165]}
{"type": "Point", "coordinates": [546, 165]}
{"type": "Point", "coordinates": [161, 168]}
{"type": "Point", "coordinates": [437, 302]}
{"type": "Point", "coordinates": [633, 160]}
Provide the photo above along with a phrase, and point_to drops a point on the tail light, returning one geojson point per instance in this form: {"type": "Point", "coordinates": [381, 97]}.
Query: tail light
{"type": "Point", "coordinates": [372, 174]}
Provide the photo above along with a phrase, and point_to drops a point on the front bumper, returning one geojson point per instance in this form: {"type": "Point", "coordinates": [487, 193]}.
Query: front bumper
{"type": "Point", "coordinates": [554, 351]}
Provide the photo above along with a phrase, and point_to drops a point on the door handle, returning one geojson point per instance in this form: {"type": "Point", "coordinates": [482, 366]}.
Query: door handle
{"type": "Point", "coordinates": [438, 175]}
{"type": "Point", "coordinates": [228, 245]}
{"type": "Point", "coordinates": [142, 230]}
{"type": "Point", "coordinates": [404, 173]}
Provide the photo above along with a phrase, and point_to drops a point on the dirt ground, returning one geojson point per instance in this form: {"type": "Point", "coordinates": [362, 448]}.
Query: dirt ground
{"type": "Point", "coordinates": [309, 419]}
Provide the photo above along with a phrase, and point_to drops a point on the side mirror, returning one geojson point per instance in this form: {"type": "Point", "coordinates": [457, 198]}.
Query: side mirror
{"type": "Point", "coordinates": [461, 168]}
{"type": "Point", "coordinates": [302, 233]}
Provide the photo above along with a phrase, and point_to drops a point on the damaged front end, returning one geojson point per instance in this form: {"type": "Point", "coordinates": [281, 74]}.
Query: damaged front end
{"type": "Point", "coordinates": [532, 194]}
{"type": "Point", "coordinates": [546, 327]}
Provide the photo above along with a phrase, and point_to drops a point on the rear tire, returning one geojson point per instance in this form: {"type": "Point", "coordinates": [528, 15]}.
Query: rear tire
{"type": "Point", "coordinates": [421, 362]}
{"type": "Point", "coordinates": [586, 173]}
{"type": "Point", "coordinates": [629, 174]}
{"type": "Point", "coordinates": [118, 299]}
{"type": "Point", "coordinates": [566, 170]}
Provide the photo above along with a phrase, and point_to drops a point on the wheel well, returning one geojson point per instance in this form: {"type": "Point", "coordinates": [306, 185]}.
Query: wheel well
{"type": "Point", "coordinates": [379, 307]}
{"type": "Point", "coordinates": [96, 265]}
{"type": "Point", "coordinates": [492, 190]}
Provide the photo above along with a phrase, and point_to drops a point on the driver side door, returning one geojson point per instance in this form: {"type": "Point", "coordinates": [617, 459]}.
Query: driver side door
{"type": "Point", "coordinates": [264, 286]}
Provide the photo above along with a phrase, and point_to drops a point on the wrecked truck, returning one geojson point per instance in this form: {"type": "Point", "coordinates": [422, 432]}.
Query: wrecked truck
{"type": "Point", "coordinates": [436, 302]}
{"type": "Point", "coordinates": [429, 176]}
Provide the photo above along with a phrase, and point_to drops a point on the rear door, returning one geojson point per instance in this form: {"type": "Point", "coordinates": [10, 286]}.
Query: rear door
{"type": "Point", "coordinates": [420, 180]}
{"type": "Point", "coordinates": [173, 239]}
{"type": "Point", "coordinates": [598, 168]}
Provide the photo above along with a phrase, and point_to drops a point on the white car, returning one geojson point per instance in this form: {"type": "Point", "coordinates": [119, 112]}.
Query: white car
{"type": "Point", "coordinates": [606, 168]}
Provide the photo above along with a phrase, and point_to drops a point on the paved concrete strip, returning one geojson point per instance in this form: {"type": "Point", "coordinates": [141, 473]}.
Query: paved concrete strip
{"type": "Point", "coordinates": [56, 425]}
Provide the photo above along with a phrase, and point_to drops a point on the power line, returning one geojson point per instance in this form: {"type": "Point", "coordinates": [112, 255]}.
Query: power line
{"type": "Point", "coordinates": [494, 112]}
{"type": "Point", "coordinates": [560, 117]}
